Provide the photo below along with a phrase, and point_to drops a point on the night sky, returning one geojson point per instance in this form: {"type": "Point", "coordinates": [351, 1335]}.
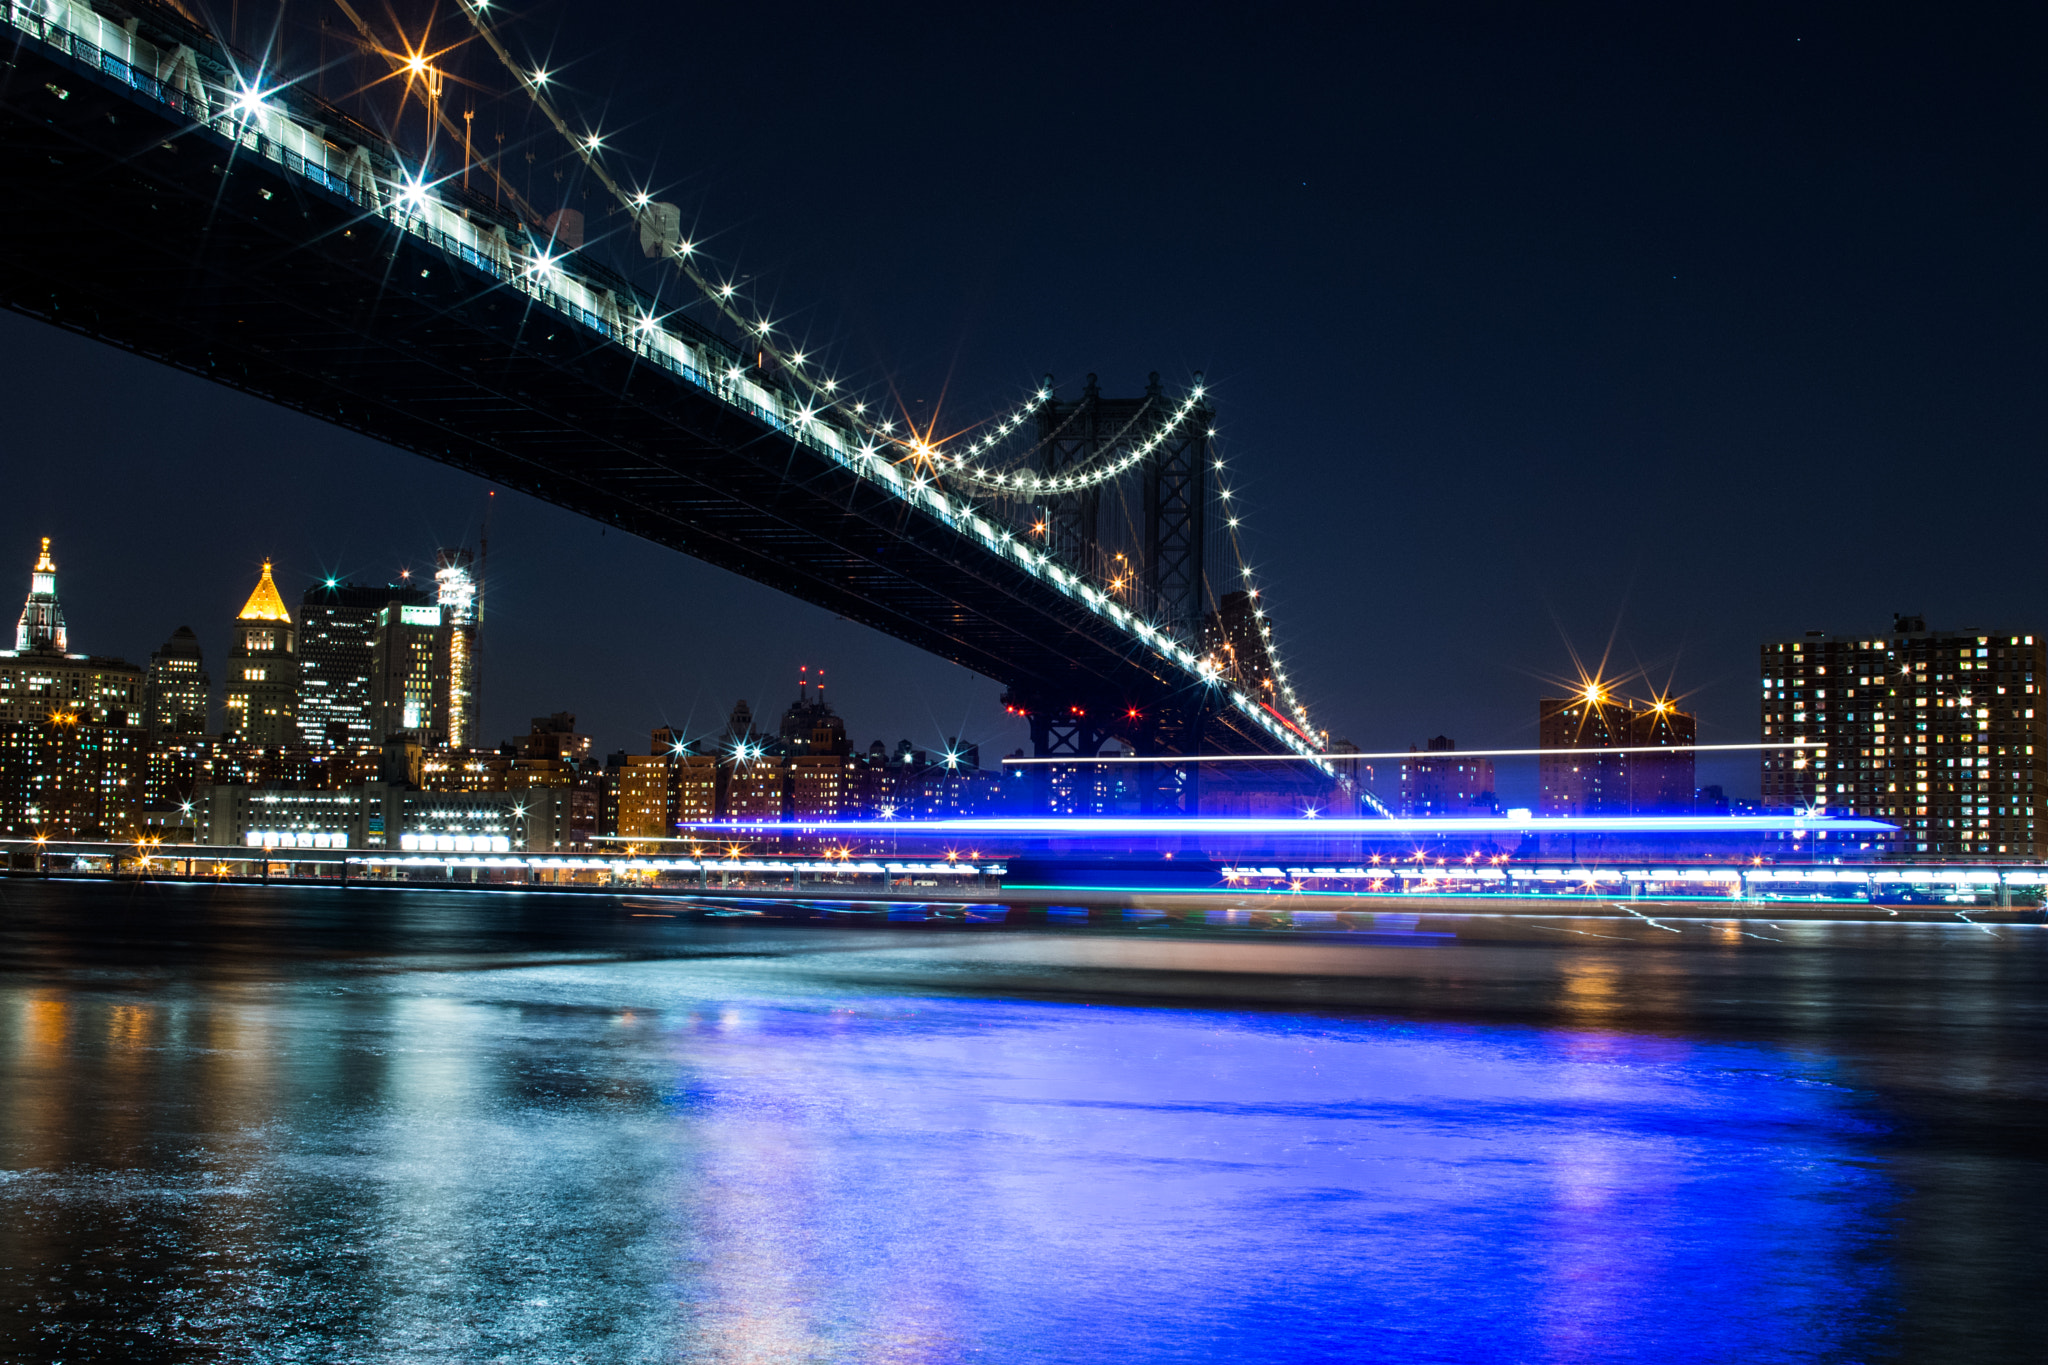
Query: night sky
{"type": "Point", "coordinates": [1649, 333]}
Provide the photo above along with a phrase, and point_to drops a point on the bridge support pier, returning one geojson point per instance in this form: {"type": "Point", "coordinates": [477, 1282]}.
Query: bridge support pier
{"type": "Point", "coordinates": [1063, 732]}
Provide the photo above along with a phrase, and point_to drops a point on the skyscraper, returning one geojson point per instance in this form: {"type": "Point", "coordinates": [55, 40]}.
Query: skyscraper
{"type": "Point", "coordinates": [1940, 732]}
{"type": "Point", "coordinates": [337, 658]}
{"type": "Point", "coordinates": [42, 619]}
{"type": "Point", "coordinates": [406, 674]}
{"type": "Point", "coordinates": [37, 677]}
{"type": "Point", "coordinates": [263, 670]}
{"type": "Point", "coordinates": [176, 693]}
{"type": "Point", "coordinates": [457, 595]}
{"type": "Point", "coordinates": [70, 728]}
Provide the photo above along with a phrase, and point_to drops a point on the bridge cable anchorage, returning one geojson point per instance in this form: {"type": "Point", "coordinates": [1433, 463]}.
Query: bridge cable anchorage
{"type": "Point", "coordinates": [639, 208]}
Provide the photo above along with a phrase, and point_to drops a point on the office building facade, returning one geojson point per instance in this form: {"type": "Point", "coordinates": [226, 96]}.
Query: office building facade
{"type": "Point", "coordinates": [176, 693]}
{"type": "Point", "coordinates": [337, 658]}
{"type": "Point", "coordinates": [72, 741]}
{"type": "Point", "coordinates": [263, 670]}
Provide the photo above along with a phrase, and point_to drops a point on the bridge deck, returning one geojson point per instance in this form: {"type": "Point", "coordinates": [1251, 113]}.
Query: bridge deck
{"type": "Point", "coordinates": [130, 224]}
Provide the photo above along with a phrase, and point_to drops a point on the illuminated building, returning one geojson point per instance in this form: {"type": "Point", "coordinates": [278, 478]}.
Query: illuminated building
{"type": "Point", "coordinates": [1093, 788]}
{"type": "Point", "coordinates": [231, 761]}
{"type": "Point", "coordinates": [756, 774]}
{"type": "Point", "coordinates": [42, 618]}
{"type": "Point", "coordinates": [553, 754]}
{"type": "Point", "coordinates": [1236, 639]}
{"type": "Point", "coordinates": [176, 692]}
{"type": "Point", "coordinates": [71, 736]}
{"type": "Point", "coordinates": [554, 739]}
{"type": "Point", "coordinates": [404, 684]}
{"type": "Point", "coordinates": [37, 678]}
{"type": "Point", "coordinates": [69, 777]}
{"type": "Point", "coordinates": [645, 798]}
{"type": "Point", "coordinates": [1446, 784]}
{"type": "Point", "coordinates": [337, 658]}
{"type": "Point", "coordinates": [818, 759]}
{"type": "Point", "coordinates": [1937, 731]}
{"type": "Point", "coordinates": [1582, 780]}
{"type": "Point", "coordinates": [455, 591]}
{"type": "Point", "coordinates": [174, 767]}
{"type": "Point", "coordinates": [756, 786]}
{"type": "Point", "coordinates": [263, 670]}
{"type": "Point", "coordinates": [386, 816]}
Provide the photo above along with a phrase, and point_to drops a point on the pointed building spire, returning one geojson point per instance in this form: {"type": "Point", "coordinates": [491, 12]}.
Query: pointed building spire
{"type": "Point", "coordinates": [265, 604]}
{"type": "Point", "coordinates": [42, 620]}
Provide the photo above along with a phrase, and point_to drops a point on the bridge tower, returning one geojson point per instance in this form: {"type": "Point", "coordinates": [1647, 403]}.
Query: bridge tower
{"type": "Point", "coordinates": [1159, 526]}
{"type": "Point", "coordinates": [1171, 507]}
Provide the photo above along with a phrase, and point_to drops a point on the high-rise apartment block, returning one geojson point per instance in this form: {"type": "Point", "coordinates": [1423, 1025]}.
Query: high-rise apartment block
{"type": "Point", "coordinates": [1441, 782]}
{"type": "Point", "coordinates": [1582, 779]}
{"type": "Point", "coordinates": [1235, 643]}
{"type": "Point", "coordinates": [1942, 733]}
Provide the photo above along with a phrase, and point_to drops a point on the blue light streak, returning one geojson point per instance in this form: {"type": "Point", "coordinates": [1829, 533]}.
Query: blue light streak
{"type": "Point", "coordinates": [1324, 827]}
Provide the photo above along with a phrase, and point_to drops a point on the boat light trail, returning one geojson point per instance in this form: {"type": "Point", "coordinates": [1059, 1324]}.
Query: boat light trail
{"type": "Point", "coordinates": [1430, 755]}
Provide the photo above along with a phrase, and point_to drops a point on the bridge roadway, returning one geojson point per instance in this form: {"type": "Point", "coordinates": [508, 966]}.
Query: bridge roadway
{"type": "Point", "coordinates": [257, 254]}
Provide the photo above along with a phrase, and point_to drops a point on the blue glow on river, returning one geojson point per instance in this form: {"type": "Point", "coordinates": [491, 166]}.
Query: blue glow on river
{"type": "Point", "coordinates": [727, 1160]}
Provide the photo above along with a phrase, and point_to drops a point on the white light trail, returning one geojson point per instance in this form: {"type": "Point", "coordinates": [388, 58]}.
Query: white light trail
{"type": "Point", "coordinates": [1426, 754]}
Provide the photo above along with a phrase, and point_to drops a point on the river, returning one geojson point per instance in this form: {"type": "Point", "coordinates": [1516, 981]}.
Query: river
{"type": "Point", "coordinates": [293, 1124]}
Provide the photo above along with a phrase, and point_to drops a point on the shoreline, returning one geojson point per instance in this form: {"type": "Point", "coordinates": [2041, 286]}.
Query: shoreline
{"type": "Point", "coordinates": [1280, 912]}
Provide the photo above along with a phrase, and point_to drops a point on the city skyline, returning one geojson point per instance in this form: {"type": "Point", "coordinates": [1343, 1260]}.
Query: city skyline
{"type": "Point", "coordinates": [1429, 386]}
{"type": "Point", "coordinates": [849, 683]}
{"type": "Point", "coordinates": [1520, 780]}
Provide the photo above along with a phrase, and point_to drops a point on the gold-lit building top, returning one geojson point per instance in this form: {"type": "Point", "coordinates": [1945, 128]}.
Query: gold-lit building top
{"type": "Point", "coordinates": [45, 564]}
{"type": "Point", "coordinates": [264, 604]}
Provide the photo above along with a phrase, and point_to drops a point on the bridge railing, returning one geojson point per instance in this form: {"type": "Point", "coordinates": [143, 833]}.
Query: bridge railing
{"type": "Point", "coordinates": [375, 181]}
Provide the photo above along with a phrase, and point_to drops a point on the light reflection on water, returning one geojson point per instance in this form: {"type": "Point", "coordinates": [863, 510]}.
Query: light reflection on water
{"type": "Point", "coordinates": [635, 1140]}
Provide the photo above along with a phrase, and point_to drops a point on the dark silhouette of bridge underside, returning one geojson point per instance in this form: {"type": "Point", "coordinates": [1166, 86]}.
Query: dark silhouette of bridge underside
{"type": "Point", "coordinates": [126, 224]}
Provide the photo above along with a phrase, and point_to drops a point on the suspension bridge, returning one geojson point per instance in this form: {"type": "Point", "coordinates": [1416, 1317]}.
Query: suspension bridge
{"type": "Point", "coordinates": [171, 197]}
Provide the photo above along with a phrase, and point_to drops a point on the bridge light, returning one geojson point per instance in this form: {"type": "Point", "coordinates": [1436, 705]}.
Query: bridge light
{"type": "Point", "coordinates": [249, 103]}
{"type": "Point", "coordinates": [593, 142]}
{"type": "Point", "coordinates": [540, 79]}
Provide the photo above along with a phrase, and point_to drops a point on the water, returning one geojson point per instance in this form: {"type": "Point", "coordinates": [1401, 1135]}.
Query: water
{"type": "Point", "coordinates": [239, 1124]}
